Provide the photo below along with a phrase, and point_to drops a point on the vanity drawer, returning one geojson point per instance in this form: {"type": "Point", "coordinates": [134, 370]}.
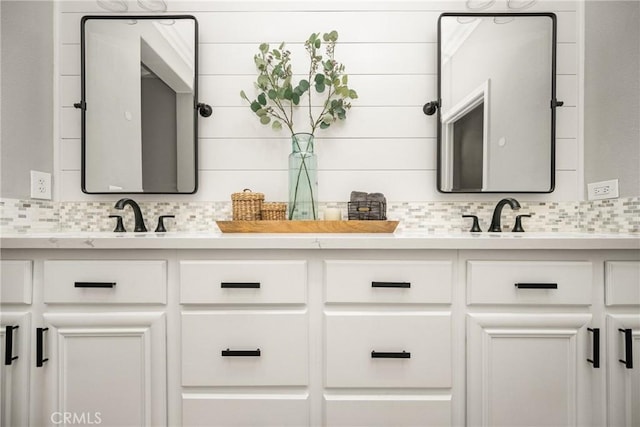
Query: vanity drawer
{"type": "Point", "coordinates": [529, 282]}
{"type": "Point", "coordinates": [105, 282]}
{"type": "Point", "coordinates": [622, 282]}
{"type": "Point", "coordinates": [388, 350]}
{"type": "Point", "coordinates": [388, 281]}
{"type": "Point", "coordinates": [243, 282]}
{"type": "Point", "coordinates": [16, 281]}
{"type": "Point", "coordinates": [277, 347]}
{"type": "Point", "coordinates": [239, 410]}
{"type": "Point", "coordinates": [387, 410]}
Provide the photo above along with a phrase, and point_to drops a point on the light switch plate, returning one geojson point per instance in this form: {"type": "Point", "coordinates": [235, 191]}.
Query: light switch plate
{"type": "Point", "coordinates": [40, 185]}
{"type": "Point", "coordinates": [603, 190]}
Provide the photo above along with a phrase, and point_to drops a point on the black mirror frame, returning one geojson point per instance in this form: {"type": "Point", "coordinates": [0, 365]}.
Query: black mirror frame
{"type": "Point", "coordinates": [83, 106]}
{"type": "Point", "coordinates": [432, 106]}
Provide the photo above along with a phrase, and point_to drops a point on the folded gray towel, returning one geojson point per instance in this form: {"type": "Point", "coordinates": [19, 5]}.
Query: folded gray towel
{"type": "Point", "coordinates": [358, 196]}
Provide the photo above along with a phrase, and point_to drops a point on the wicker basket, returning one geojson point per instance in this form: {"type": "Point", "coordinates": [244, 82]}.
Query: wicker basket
{"type": "Point", "coordinates": [274, 211]}
{"type": "Point", "coordinates": [246, 205]}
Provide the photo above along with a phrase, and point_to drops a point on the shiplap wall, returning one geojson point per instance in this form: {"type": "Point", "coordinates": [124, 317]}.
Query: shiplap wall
{"type": "Point", "coordinates": [386, 144]}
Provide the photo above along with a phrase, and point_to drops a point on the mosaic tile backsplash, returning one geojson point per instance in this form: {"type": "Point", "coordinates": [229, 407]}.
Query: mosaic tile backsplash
{"type": "Point", "coordinates": [601, 216]}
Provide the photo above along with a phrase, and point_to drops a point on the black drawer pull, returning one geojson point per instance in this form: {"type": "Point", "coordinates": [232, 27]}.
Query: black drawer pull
{"type": "Point", "coordinates": [628, 349]}
{"type": "Point", "coordinates": [8, 345]}
{"type": "Point", "coordinates": [241, 353]}
{"type": "Point", "coordinates": [390, 355]}
{"type": "Point", "coordinates": [596, 347]}
{"type": "Point", "coordinates": [390, 284]}
{"type": "Point", "coordinates": [95, 284]}
{"type": "Point", "coordinates": [40, 359]}
{"type": "Point", "coordinates": [536, 285]}
{"type": "Point", "coordinates": [240, 285]}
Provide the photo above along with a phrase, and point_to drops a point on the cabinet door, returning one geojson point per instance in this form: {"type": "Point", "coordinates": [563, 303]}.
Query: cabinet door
{"type": "Point", "coordinates": [106, 368]}
{"type": "Point", "coordinates": [14, 377]}
{"type": "Point", "coordinates": [623, 379]}
{"type": "Point", "coordinates": [527, 370]}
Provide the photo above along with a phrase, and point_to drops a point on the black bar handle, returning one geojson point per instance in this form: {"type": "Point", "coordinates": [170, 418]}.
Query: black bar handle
{"type": "Point", "coordinates": [596, 347]}
{"type": "Point", "coordinates": [95, 284]}
{"type": "Point", "coordinates": [390, 284]}
{"type": "Point", "coordinates": [628, 349]}
{"type": "Point", "coordinates": [241, 353]}
{"type": "Point", "coordinates": [390, 355]}
{"type": "Point", "coordinates": [240, 285]}
{"type": "Point", "coordinates": [40, 359]}
{"type": "Point", "coordinates": [536, 285]}
{"type": "Point", "coordinates": [8, 345]}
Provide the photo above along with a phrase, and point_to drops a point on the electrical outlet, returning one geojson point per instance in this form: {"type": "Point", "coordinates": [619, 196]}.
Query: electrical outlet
{"type": "Point", "coordinates": [603, 190]}
{"type": "Point", "coordinates": [40, 185]}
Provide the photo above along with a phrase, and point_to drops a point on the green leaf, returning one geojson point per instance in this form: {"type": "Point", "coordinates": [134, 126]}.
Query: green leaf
{"type": "Point", "coordinates": [264, 48]}
{"type": "Point", "coordinates": [272, 94]}
{"type": "Point", "coordinates": [319, 78]}
{"type": "Point", "coordinates": [288, 93]}
{"type": "Point", "coordinates": [261, 112]}
{"type": "Point", "coordinates": [276, 125]}
{"type": "Point", "coordinates": [281, 93]}
{"type": "Point", "coordinates": [281, 46]}
{"type": "Point", "coordinates": [345, 79]}
{"type": "Point", "coordinates": [333, 35]}
{"type": "Point", "coordinates": [263, 81]}
{"type": "Point", "coordinates": [320, 87]}
{"type": "Point", "coordinates": [324, 125]}
{"type": "Point", "coordinates": [304, 85]}
{"type": "Point", "coordinates": [327, 118]}
{"type": "Point", "coordinates": [353, 94]}
{"type": "Point", "coordinates": [295, 98]}
{"type": "Point", "coordinates": [244, 96]}
{"type": "Point", "coordinates": [325, 37]}
{"type": "Point", "coordinates": [316, 44]}
{"type": "Point", "coordinates": [262, 99]}
{"type": "Point", "coordinates": [255, 106]}
{"type": "Point", "coordinates": [276, 54]}
{"type": "Point", "coordinates": [265, 120]}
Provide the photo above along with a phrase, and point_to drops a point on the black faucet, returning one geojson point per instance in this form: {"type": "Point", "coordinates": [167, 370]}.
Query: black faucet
{"type": "Point", "coordinates": [495, 220]}
{"type": "Point", "coordinates": [137, 213]}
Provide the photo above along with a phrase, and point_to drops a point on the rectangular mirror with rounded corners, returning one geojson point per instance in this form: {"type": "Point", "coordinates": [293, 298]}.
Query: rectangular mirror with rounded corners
{"type": "Point", "coordinates": [139, 92]}
{"type": "Point", "coordinates": [496, 102]}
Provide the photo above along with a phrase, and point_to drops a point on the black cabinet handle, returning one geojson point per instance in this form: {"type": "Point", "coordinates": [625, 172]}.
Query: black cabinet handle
{"type": "Point", "coordinates": [8, 345]}
{"type": "Point", "coordinates": [596, 347]}
{"type": "Point", "coordinates": [240, 285]}
{"type": "Point", "coordinates": [628, 349]}
{"type": "Point", "coordinates": [241, 353]}
{"type": "Point", "coordinates": [536, 285]}
{"type": "Point", "coordinates": [95, 284]}
{"type": "Point", "coordinates": [390, 355]}
{"type": "Point", "coordinates": [390, 284]}
{"type": "Point", "coordinates": [40, 359]}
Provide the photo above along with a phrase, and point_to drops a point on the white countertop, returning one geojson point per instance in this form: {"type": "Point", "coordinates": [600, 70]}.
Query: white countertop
{"type": "Point", "coordinates": [412, 239]}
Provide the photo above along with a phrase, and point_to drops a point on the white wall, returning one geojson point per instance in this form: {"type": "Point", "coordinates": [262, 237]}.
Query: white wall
{"type": "Point", "coordinates": [387, 144]}
{"type": "Point", "coordinates": [612, 95]}
{"type": "Point", "coordinates": [26, 135]}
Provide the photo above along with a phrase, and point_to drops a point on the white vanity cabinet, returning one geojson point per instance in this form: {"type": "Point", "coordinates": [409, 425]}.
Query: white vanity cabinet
{"type": "Point", "coordinates": [388, 340]}
{"type": "Point", "coordinates": [622, 299]}
{"type": "Point", "coordinates": [15, 341]}
{"type": "Point", "coordinates": [527, 340]}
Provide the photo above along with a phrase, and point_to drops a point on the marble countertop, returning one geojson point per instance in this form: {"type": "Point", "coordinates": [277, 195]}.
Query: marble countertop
{"type": "Point", "coordinates": [413, 239]}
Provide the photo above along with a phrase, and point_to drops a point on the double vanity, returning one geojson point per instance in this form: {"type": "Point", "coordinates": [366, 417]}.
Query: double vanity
{"type": "Point", "coordinates": [408, 329]}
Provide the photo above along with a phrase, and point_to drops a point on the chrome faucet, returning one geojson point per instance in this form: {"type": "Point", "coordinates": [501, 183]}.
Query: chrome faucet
{"type": "Point", "coordinates": [497, 212]}
{"type": "Point", "coordinates": [137, 213]}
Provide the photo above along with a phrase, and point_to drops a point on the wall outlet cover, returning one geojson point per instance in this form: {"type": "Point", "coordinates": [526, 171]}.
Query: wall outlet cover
{"type": "Point", "coordinates": [603, 190]}
{"type": "Point", "coordinates": [40, 185]}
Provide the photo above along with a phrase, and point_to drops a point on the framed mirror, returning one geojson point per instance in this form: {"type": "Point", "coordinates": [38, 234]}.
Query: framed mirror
{"type": "Point", "coordinates": [496, 102]}
{"type": "Point", "coordinates": [139, 108]}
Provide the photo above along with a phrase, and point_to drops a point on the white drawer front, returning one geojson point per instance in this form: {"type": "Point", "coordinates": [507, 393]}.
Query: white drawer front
{"type": "Point", "coordinates": [388, 281]}
{"type": "Point", "coordinates": [388, 410]}
{"type": "Point", "coordinates": [494, 282]}
{"type": "Point", "coordinates": [351, 338]}
{"type": "Point", "coordinates": [245, 410]}
{"type": "Point", "coordinates": [243, 282]}
{"type": "Point", "coordinates": [622, 282]}
{"type": "Point", "coordinates": [105, 282]}
{"type": "Point", "coordinates": [281, 338]}
{"type": "Point", "coordinates": [16, 281]}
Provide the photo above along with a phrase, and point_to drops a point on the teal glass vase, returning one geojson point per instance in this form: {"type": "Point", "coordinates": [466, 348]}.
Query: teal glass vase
{"type": "Point", "coordinates": [303, 178]}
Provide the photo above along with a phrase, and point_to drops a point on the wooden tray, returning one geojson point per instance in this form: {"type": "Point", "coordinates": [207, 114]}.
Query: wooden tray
{"type": "Point", "coordinates": [307, 226]}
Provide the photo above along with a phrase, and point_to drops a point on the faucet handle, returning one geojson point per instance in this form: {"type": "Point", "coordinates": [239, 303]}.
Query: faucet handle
{"type": "Point", "coordinates": [119, 226]}
{"type": "Point", "coordinates": [160, 228]}
{"type": "Point", "coordinates": [517, 228]}
{"type": "Point", "coordinates": [475, 228]}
